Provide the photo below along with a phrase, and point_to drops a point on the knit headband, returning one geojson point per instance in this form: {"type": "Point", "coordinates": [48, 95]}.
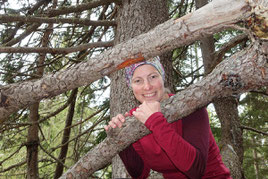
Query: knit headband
{"type": "Point", "coordinates": [155, 62]}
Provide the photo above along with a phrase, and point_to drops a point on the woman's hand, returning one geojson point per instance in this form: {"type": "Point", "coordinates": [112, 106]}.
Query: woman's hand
{"type": "Point", "coordinates": [146, 109]}
{"type": "Point", "coordinates": [117, 121]}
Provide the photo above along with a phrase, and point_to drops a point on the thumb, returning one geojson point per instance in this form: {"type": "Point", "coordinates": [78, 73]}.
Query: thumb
{"type": "Point", "coordinates": [127, 114]}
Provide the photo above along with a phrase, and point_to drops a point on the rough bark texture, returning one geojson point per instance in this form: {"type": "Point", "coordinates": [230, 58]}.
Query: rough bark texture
{"type": "Point", "coordinates": [226, 109]}
{"type": "Point", "coordinates": [134, 18]}
{"type": "Point", "coordinates": [231, 143]}
{"type": "Point", "coordinates": [32, 143]}
{"type": "Point", "coordinates": [66, 136]}
{"type": "Point", "coordinates": [163, 38]}
{"type": "Point", "coordinates": [230, 76]}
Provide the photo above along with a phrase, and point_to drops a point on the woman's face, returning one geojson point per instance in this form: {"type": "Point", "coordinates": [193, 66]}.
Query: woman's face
{"type": "Point", "coordinates": [147, 84]}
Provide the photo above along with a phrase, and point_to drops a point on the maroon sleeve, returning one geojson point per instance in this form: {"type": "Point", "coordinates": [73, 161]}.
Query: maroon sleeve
{"type": "Point", "coordinates": [196, 132]}
{"type": "Point", "coordinates": [134, 163]}
{"type": "Point", "coordinates": [188, 155]}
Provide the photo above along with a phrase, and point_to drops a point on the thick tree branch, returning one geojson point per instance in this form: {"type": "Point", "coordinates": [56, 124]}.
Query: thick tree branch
{"type": "Point", "coordinates": [55, 50]}
{"type": "Point", "coordinates": [165, 37]}
{"type": "Point", "coordinates": [31, 19]}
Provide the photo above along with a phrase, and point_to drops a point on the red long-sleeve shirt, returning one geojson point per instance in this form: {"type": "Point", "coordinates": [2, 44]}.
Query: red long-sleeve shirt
{"type": "Point", "coordinates": [183, 149]}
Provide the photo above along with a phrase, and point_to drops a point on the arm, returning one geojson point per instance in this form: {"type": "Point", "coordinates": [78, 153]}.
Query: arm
{"type": "Point", "coordinates": [134, 163]}
{"type": "Point", "coordinates": [188, 154]}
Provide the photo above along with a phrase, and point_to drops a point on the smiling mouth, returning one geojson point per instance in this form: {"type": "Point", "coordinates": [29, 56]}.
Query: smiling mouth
{"type": "Point", "coordinates": [149, 95]}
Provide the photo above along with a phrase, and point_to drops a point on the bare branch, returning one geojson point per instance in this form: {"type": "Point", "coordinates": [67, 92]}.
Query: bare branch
{"type": "Point", "coordinates": [254, 130]}
{"type": "Point", "coordinates": [265, 93]}
{"type": "Point", "coordinates": [230, 44]}
{"type": "Point", "coordinates": [13, 166]}
{"type": "Point", "coordinates": [79, 8]}
{"type": "Point", "coordinates": [31, 19]}
{"type": "Point", "coordinates": [49, 154]}
{"type": "Point", "coordinates": [30, 12]}
{"type": "Point", "coordinates": [55, 50]}
{"type": "Point", "coordinates": [59, 109]}
{"type": "Point", "coordinates": [1, 162]}
{"type": "Point", "coordinates": [28, 31]}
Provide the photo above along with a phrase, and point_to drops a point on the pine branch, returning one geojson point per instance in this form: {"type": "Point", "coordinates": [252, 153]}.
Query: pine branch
{"type": "Point", "coordinates": [49, 154]}
{"type": "Point", "coordinates": [13, 166]}
{"type": "Point", "coordinates": [67, 50]}
{"type": "Point", "coordinates": [32, 19]}
{"type": "Point", "coordinates": [254, 130]}
{"type": "Point", "coordinates": [79, 8]}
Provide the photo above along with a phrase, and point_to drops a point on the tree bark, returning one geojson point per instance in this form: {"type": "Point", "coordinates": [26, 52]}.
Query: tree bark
{"type": "Point", "coordinates": [32, 143]}
{"type": "Point", "coordinates": [230, 76]}
{"type": "Point", "coordinates": [66, 136]}
{"type": "Point", "coordinates": [226, 109]}
{"type": "Point", "coordinates": [163, 38]}
{"type": "Point", "coordinates": [255, 159]}
{"type": "Point", "coordinates": [134, 17]}
{"type": "Point", "coordinates": [231, 143]}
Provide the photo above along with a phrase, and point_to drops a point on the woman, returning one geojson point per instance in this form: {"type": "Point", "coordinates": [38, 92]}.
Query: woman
{"type": "Point", "coordinates": [182, 149]}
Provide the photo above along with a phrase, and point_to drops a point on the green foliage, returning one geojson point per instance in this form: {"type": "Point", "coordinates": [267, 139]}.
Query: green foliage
{"type": "Point", "coordinates": [214, 122]}
{"type": "Point", "coordinates": [255, 115]}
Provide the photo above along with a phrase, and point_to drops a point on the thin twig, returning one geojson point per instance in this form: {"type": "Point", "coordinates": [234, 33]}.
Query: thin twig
{"type": "Point", "coordinates": [254, 130]}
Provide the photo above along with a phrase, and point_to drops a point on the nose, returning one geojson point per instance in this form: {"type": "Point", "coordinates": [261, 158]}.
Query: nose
{"type": "Point", "coordinates": [147, 85]}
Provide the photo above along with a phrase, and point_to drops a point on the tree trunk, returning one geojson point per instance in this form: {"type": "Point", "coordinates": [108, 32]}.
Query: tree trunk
{"type": "Point", "coordinates": [134, 17]}
{"type": "Point", "coordinates": [231, 143]}
{"type": "Point", "coordinates": [32, 143]}
{"type": "Point", "coordinates": [226, 109]}
{"type": "Point", "coordinates": [66, 136]}
{"type": "Point", "coordinates": [255, 158]}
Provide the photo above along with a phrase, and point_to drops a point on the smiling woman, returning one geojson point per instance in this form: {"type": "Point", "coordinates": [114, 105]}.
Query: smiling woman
{"type": "Point", "coordinates": [182, 149]}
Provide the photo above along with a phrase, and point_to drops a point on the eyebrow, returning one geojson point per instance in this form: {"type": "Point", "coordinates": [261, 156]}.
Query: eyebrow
{"type": "Point", "coordinates": [155, 72]}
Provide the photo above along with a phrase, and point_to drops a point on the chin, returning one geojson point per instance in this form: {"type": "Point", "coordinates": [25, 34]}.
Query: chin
{"type": "Point", "coordinates": [153, 99]}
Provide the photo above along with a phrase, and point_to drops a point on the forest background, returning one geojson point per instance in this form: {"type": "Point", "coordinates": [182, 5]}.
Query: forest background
{"type": "Point", "coordinates": [43, 37]}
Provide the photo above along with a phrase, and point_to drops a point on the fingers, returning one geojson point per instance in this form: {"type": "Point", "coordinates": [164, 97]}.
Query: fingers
{"type": "Point", "coordinates": [116, 121]}
{"type": "Point", "coordinates": [127, 114]}
{"type": "Point", "coordinates": [106, 127]}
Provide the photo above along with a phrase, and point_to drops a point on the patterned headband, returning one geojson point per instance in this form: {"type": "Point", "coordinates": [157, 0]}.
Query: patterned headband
{"type": "Point", "coordinates": [155, 62]}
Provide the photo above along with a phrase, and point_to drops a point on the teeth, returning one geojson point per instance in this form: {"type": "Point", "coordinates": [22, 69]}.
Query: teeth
{"type": "Point", "coordinates": [149, 95]}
